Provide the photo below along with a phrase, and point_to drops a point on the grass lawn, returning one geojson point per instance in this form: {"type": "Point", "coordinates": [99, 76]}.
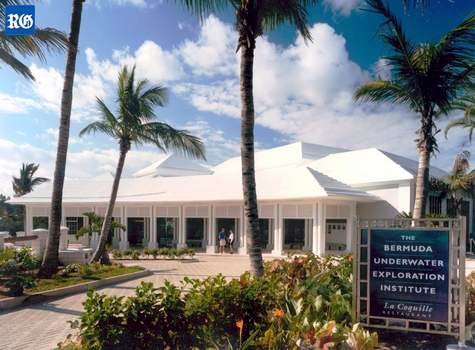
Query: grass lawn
{"type": "Point", "coordinates": [60, 281]}
{"type": "Point", "coordinates": [94, 273]}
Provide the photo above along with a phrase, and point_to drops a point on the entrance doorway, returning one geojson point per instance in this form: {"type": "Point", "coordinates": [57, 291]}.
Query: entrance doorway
{"type": "Point", "coordinates": [298, 234]}
{"type": "Point", "coordinates": [265, 231]}
{"type": "Point", "coordinates": [195, 232]}
{"type": "Point", "coordinates": [136, 232]}
{"type": "Point", "coordinates": [167, 229]}
{"type": "Point", "coordinates": [228, 225]}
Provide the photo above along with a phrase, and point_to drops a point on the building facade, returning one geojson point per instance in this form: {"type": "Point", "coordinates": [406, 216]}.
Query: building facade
{"type": "Point", "coordinates": [310, 197]}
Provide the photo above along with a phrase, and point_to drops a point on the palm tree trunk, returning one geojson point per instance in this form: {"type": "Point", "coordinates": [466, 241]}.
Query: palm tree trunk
{"type": "Point", "coordinates": [51, 257]}
{"type": "Point", "coordinates": [247, 159]}
{"type": "Point", "coordinates": [426, 146]}
{"type": "Point", "coordinates": [101, 253]}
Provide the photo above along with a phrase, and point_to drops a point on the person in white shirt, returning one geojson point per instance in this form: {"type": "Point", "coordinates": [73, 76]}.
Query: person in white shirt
{"type": "Point", "coordinates": [231, 241]}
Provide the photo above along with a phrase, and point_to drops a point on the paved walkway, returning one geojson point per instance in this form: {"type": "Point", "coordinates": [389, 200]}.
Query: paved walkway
{"type": "Point", "coordinates": [43, 326]}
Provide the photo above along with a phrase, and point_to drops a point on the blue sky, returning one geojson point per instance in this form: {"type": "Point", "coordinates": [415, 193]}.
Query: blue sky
{"type": "Point", "coordinates": [303, 91]}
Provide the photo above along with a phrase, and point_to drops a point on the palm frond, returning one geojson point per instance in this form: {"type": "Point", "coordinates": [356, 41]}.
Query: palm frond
{"type": "Point", "coordinates": [395, 37]}
{"type": "Point", "coordinates": [204, 8]}
{"type": "Point", "coordinates": [465, 103]}
{"type": "Point", "coordinates": [171, 139]}
{"type": "Point", "coordinates": [15, 64]}
{"type": "Point", "coordinates": [98, 126]}
{"type": "Point", "coordinates": [44, 40]}
{"type": "Point", "coordinates": [385, 91]}
{"type": "Point", "coordinates": [295, 12]}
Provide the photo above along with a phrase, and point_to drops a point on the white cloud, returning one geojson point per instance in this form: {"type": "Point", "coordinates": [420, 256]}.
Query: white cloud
{"type": "Point", "coordinates": [218, 146]}
{"type": "Point", "coordinates": [214, 51]}
{"type": "Point", "coordinates": [305, 92]}
{"type": "Point", "coordinates": [343, 7]}
{"type": "Point", "coordinates": [81, 164]}
{"type": "Point", "coordinates": [14, 105]}
{"type": "Point", "coordinates": [137, 3]}
{"type": "Point", "coordinates": [49, 84]}
{"type": "Point", "coordinates": [382, 69]}
{"type": "Point", "coordinates": [152, 62]}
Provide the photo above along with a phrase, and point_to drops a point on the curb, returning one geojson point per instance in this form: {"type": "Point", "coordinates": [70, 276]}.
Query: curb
{"type": "Point", "coordinates": [7, 304]}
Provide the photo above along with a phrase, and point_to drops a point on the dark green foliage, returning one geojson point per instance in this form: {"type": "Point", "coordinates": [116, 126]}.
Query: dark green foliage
{"type": "Point", "coordinates": [11, 216]}
{"type": "Point", "coordinates": [310, 295]}
{"type": "Point", "coordinates": [16, 270]}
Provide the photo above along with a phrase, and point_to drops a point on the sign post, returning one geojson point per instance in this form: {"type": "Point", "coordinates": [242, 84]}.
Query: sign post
{"type": "Point", "coordinates": [411, 275]}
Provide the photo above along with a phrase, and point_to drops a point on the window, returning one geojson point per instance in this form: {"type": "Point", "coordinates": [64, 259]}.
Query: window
{"type": "Point", "coordinates": [336, 234]}
{"type": "Point", "coordinates": [40, 222]}
{"type": "Point", "coordinates": [435, 204]}
{"type": "Point", "coordinates": [74, 224]}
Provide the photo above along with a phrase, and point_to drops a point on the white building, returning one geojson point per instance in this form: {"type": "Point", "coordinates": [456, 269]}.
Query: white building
{"type": "Point", "coordinates": [309, 198]}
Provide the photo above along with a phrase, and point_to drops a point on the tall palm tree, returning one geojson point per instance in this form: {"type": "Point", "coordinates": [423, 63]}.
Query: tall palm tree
{"type": "Point", "coordinates": [47, 39]}
{"type": "Point", "coordinates": [460, 180]}
{"type": "Point", "coordinates": [135, 123]}
{"type": "Point", "coordinates": [253, 18]}
{"type": "Point", "coordinates": [427, 78]}
{"type": "Point", "coordinates": [467, 105]}
{"type": "Point", "coordinates": [51, 258]}
{"type": "Point", "coordinates": [26, 181]}
{"type": "Point", "coordinates": [95, 223]}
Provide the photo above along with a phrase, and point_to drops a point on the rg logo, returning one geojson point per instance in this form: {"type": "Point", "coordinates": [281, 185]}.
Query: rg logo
{"type": "Point", "coordinates": [16, 21]}
{"type": "Point", "coordinates": [20, 20]}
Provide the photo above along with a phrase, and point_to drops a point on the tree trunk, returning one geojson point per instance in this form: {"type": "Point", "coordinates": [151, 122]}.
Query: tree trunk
{"type": "Point", "coordinates": [51, 258]}
{"type": "Point", "coordinates": [247, 160]}
{"type": "Point", "coordinates": [101, 253]}
{"type": "Point", "coordinates": [426, 147]}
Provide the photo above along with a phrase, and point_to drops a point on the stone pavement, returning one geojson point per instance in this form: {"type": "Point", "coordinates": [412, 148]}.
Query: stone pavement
{"type": "Point", "coordinates": [43, 326]}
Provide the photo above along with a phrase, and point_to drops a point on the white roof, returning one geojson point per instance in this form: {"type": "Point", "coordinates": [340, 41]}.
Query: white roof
{"type": "Point", "coordinates": [369, 167]}
{"type": "Point", "coordinates": [295, 171]}
{"type": "Point", "coordinates": [173, 165]}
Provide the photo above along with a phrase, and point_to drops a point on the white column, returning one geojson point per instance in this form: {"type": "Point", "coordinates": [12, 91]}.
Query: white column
{"type": "Point", "coordinates": [211, 243]}
{"type": "Point", "coordinates": [242, 232]}
{"type": "Point", "coordinates": [26, 223]}
{"type": "Point", "coordinates": [123, 241]}
{"type": "Point", "coordinates": [315, 222]}
{"type": "Point", "coordinates": [152, 243]}
{"type": "Point", "coordinates": [321, 228]}
{"type": "Point", "coordinates": [182, 229]}
{"type": "Point", "coordinates": [277, 231]}
{"type": "Point", "coordinates": [350, 227]}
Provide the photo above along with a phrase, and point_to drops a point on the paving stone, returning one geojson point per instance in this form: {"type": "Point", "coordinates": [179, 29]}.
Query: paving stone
{"type": "Point", "coordinates": [43, 326]}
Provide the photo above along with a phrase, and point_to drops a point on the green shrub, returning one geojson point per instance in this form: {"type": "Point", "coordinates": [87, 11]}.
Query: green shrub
{"type": "Point", "coordinates": [16, 277]}
{"type": "Point", "coordinates": [17, 268]}
{"type": "Point", "coordinates": [116, 254]}
{"type": "Point", "coordinates": [7, 254]}
{"type": "Point", "coordinates": [164, 252]}
{"type": "Point", "coordinates": [127, 252]}
{"type": "Point", "coordinates": [70, 269]}
{"type": "Point", "coordinates": [135, 255]}
{"type": "Point", "coordinates": [154, 252]}
{"type": "Point", "coordinates": [147, 252]}
{"type": "Point", "coordinates": [301, 303]}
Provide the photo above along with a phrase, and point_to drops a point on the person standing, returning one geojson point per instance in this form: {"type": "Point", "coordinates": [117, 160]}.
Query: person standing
{"type": "Point", "coordinates": [222, 240]}
{"type": "Point", "coordinates": [231, 241]}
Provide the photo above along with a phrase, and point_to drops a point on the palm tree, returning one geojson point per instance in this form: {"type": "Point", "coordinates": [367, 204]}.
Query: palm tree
{"type": "Point", "coordinates": [253, 18]}
{"type": "Point", "coordinates": [460, 181]}
{"type": "Point", "coordinates": [427, 78]}
{"type": "Point", "coordinates": [467, 105]}
{"type": "Point", "coordinates": [95, 225]}
{"type": "Point", "coordinates": [135, 123]}
{"type": "Point", "coordinates": [47, 39]}
{"type": "Point", "coordinates": [26, 181]}
{"type": "Point", "coordinates": [51, 258]}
